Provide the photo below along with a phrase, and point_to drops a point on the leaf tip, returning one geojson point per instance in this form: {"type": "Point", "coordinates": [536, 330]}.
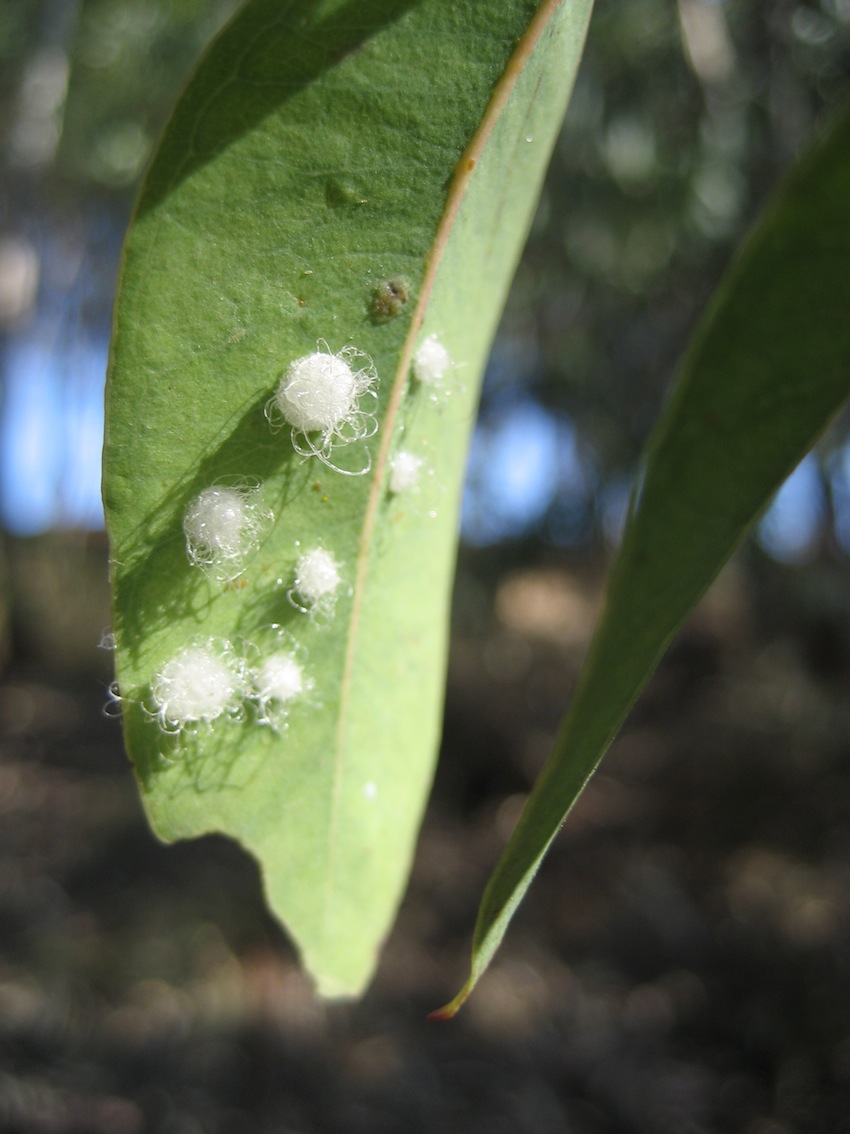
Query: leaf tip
{"type": "Point", "coordinates": [450, 1010]}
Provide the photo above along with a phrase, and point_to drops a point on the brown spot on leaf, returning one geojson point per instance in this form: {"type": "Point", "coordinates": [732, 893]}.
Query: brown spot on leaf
{"type": "Point", "coordinates": [388, 299]}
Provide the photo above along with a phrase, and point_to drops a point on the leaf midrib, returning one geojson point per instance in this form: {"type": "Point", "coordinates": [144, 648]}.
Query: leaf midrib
{"type": "Point", "coordinates": [457, 191]}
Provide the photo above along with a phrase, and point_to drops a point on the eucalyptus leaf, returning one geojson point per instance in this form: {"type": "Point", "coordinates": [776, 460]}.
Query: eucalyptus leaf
{"type": "Point", "coordinates": [337, 175]}
{"type": "Point", "coordinates": [767, 370]}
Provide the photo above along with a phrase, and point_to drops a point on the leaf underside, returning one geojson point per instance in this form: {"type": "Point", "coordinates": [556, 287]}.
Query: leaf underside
{"type": "Point", "coordinates": [767, 370]}
{"type": "Point", "coordinates": [320, 149]}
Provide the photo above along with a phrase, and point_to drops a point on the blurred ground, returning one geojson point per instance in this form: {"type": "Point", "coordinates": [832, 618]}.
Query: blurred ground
{"type": "Point", "coordinates": [682, 965]}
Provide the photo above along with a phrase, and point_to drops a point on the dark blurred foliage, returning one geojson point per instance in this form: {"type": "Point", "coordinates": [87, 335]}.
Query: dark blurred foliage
{"type": "Point", "coordinates": [682, 965]}
{"type": "Point", "coordinates": [84, 90]}
{"type": "Point", "coordinates": [87, 84]}
{"type": "Point", "coordinates": [665, 159]}
{"type": "Point", "coordinates": [677, 131]}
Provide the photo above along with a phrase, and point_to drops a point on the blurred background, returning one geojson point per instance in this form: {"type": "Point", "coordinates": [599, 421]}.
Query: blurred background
{"type": "Point", "coordinates": [682, 965]}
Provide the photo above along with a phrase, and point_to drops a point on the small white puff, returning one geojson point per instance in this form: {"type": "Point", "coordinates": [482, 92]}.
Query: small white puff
{"type": "Point", "coordinates": [431, 362]}
{"type": "Point", "coordinates": [318, 397]}
{"type": "Point", "coordinates": [405, 470]}
{"type": "Point", "coordinates": [223, 526]}
{"type": "Point", "coordinates": [198, 684]}
{"type": "Point", "coordinates": [316, 579]}
{"type": "Point", "coordinates": [280, 678]}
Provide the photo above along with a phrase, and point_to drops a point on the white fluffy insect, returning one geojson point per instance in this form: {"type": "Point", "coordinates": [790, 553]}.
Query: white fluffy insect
{"type": "Point", "coordinates": [199, 684]}
{"type": "Point", "coordinates": [317, 579]}
{"type": "Point", "coordinates": [405, 471]}
{"type": "Point", "coordinates": [431, 363]}
{"type": "Point", "coordinates": [318, 397]}
{"type": "Point", "coordinates": [280, 678]}
{"type": "Point", "coordinates": [277, 680]}
{"type": "Point", "coordinates": [223, 526]}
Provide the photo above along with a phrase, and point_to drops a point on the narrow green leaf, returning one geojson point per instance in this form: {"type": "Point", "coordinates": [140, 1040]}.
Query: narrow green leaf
{"type": "Point", "coordinates": [361, 173]}
{"type": "Point", "coordinates": [766, 372]}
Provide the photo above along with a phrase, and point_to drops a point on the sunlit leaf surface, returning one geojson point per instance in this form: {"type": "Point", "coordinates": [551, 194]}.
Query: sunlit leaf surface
{"type": "Point", "coordinates": [337, 175]}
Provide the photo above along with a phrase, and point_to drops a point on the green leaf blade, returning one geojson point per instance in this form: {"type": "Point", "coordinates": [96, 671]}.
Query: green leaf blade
{"type": "Point", "coordinates": [768, 369]}
{"type": "Point", "coordinates": [308, 161]}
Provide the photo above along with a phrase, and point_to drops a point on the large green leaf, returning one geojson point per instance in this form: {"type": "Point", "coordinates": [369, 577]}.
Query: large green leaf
{"type": "Point", "coordinates": [767, 370]}
{"type": "Point", "coordinates": [322, 147]}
